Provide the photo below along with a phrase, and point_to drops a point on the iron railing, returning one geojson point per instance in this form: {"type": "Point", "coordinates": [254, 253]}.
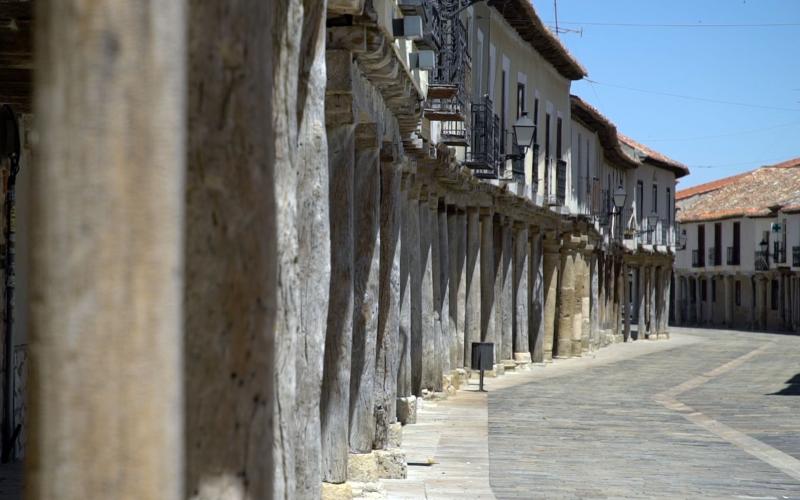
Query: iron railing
{"type": "Point", "coordinates": [447, 89]}
{"type": "Point", "coordinates": [796, 256]}
{"type": "Point", "coordinates": [712, 256]}
{"type": "Point", "coordinates": [733, 256]}
{"type": "Point", "coordinates": [697, 258]}
{"type": "Point", "coordinates": [561, 182]}
{"type": "Point", "coordinates": [483, 156]}
{"type": "Point", "coordinates": [762, 260]}
{"type": "Point", "coordinates": [778, 252]}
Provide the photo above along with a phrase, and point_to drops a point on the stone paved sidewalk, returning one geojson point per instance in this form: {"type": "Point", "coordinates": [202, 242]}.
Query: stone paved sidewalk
{"type": "Point", "coordinates": [602, 427]}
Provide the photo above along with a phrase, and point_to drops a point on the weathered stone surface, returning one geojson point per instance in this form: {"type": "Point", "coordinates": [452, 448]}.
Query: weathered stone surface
{"type": "Point", "coordinates": [566, 303]}
{"type": "Point", "coordinates": [342, 491]}
{"type": "Point", "coordinates": [395, 438]}
{"type": "Point", "coordinates": [407, 410]}
{"type": "Point", "coordinates": [391, 464]}
{"type": "Point", "coordinates": [425, 355]}
{"type": "Point", "coordinates": [107, 265]}
{"type": "Point", "coordinates": [362, 467]}
{"type": "Point", "coordinates": [442, 295]}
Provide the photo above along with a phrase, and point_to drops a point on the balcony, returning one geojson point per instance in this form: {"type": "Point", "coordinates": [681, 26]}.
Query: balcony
{"type": "Point", "coordinates": [712, 257]}
{"type": "Point", "coordinates": [483, 157]}
{"type": "Point", "coordinates": [779, 252]}
{"type": "Point", "coordinates": [447, 95]}
{"type": "Point", "coordinates": [796, 256]}
{"type": "Point", "coordinates": [697, 258]}
{"type": "Point", "coordinates": [733, 256]}
{"type": "Point", "coordinates": [561, 182]}
{"type": "Point", "coordinates": [762, 260]}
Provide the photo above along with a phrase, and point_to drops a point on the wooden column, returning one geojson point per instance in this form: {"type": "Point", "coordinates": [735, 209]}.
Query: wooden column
{"type": "Point", "coordinates": [388, 342]}
{"type": "Point", "coordinates": [105, 390]}
{"type": "Point", "coordinates": [408, 244]}
{"type": "Point", "coordinates": [335, 395]}
{"type": "Point", "coordinates": [521, 294]}
{"type": "Point", "coordinates": [441, 268]}
{"type": "Point", "coordinates": [536, 285]}
{"type": "Point", "coordinates": [653, 293]}
{"type": "Point", "coordinates": [595, 302]}
{"type": "Point", "coordinates": [505, 291]}
{"type": "Point", "coordinates": [586, 278]}
{"type": "Point", "coordinates": [424, 356]}
{"type": "Point", "coordinates": [457, 229]}
{"type": "Point", "coordinates": [472, 312]}
{"type": "Point", "coordinates": [626, 304]}
{"type": "Point", "coordinates": [487, 279]}
{"type": "Point", "coordinates": [577, 311]}
{"type": "Point", "coordinates": [566, 299]}
{"type": "Point", "coordinates": [550, 245]}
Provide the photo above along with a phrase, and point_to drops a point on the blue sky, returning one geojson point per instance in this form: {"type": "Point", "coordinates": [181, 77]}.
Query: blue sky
{"type": "Point", "coordinates": [759, 66]}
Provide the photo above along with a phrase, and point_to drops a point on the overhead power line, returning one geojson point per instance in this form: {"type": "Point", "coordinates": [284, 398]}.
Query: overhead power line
{"type": "Point", "coordinates": [692, 98]}
{"type": "Point", "coordinates": [720, 136]}
{"type": "Point", "coordinates": [756, 163]}
{"type": "Point", "coordinates": [684, 25]}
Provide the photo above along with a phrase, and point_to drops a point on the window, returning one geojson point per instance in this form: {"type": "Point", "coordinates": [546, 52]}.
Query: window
{"type": "Point", "coordinates": [669, 206]}
{"type": "Point", "coordinates": [558, 137]}
{"type": "Point", "coordinates": [520, 99]}
{"type": "Point", "coordinates": [655, 198]}
{"type": "Point", "coordinates": [776, 293]}
{"type": "Point", "coordinates": [737, 236]}
{"type": "Point", "coordinates": [547, 136]}
{"type": "Point", "coordinates": [536, 120]}
{"type": "Point", "coordinates": [738, 291]}
{"type": "Point", "coordinates": [640, 202]}
{"type": "Point", "coordinates": [503, 105]}
{"type": "Point", "coordinates": [588, 188]}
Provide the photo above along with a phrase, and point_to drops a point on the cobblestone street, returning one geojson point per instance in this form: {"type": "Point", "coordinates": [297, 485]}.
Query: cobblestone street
{"type": "Point", "coordinates": [707, 414]}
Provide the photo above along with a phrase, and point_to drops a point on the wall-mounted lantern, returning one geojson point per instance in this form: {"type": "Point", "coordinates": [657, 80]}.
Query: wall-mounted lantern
{"type": "Point", "coordinates": [523, 131]}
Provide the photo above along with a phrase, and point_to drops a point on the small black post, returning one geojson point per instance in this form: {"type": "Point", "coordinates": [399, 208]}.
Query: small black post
{"type": "Point", "coordinates": [482, 359]}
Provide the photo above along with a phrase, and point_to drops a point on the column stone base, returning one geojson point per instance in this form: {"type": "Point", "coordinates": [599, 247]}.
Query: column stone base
{"type": "Point", "coordinates": [395, 439]}
{"type": "Point", "coordinates": [331, 491]}
{"type": "Point", "coordinates": [362, 467]}
{"type": "Point", "coordinates": [407, 410]}
{"type": "Point", "coordinates": [391, 464]}
{"type": "Point", "coordinates": [509, 365]}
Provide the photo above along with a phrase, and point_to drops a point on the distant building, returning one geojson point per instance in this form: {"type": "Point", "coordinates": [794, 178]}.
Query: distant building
{"type": "Point", "coordinates": [740, 265]}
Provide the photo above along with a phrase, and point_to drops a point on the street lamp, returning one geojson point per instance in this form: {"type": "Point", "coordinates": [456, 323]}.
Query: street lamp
{"type": "Point", "coordinates": [523, 131]}
{"type": "Point", "coordinates": [764, 246]}
{"type": "Point", "coordinates": [620, 197]}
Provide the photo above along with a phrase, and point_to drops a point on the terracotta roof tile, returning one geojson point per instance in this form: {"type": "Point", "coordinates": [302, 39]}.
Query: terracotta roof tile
{"type": "Point", "coordinates": [758, 193]}
{"type": "Point", "coordinates": [605, 129]}
{"type": "Point", "coordinates": [655, 157]}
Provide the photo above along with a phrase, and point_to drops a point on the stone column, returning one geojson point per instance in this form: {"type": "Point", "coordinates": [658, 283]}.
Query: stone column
{"type": "Point", "coordinates": [497, 293]}
{"type": "Point", "coordinates": [105, 393]}
{"type": "Point", "coordinates": [536, 285]}
{"type": "Point", "coordinates": [508, 304]}
{"type": "Point", "coordinates": [441, 287]}
{"type": "Point", "coordinates": [566, 298]}
{"type": "Point", "coordinates": [577, 311]}
{"type": "Point", "coordinates": [550, 264]}
{"type": "Point", "coordinates": [388, 301]}
{"type": "Point", "coordinates": [457, 229]}
{"type": "Point", "coordinates": [366, 267]}
{"type": "Point", "coordinates": [424, 355]}
{"type": "Point", "coordinates": [335, 394]}
{"type": "Point", "coordinates": [409, 234]}
{"type": "Point", "coordinates": [472, 313]}
{"type": "Point", "coordinates": [619, 285]}
{"type": "Point", "coordinates": [521, 294]}
{"type": "Point", "coordinates": [678, 301]}
{"type": "Point", "coordinates": [487, 278]}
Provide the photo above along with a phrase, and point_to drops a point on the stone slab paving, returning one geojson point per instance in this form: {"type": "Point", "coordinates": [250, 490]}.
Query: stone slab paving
{"type": "Point", "coordinates": [602, 427]}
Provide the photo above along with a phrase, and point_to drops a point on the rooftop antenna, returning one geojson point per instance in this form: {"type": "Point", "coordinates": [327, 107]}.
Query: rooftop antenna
{"type": "Point", "coordinates": [555, 11]}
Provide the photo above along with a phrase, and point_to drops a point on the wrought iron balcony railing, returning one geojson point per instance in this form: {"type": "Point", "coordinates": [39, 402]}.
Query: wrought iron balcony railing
{"type": "Point", "coordinates": [712, 257]}
{"type": "Point", "coordinates": [796, 256]}
{"type": "Point", "coordinates": [778, 252]}
{"type": "Point", "coordinates": [697, 258]}
{"type": "Point", "coordinates": [733, 256]}
{"type": "Point", "coordinates": [483, 156]}
{"type": "Point", "coordinates": [561, 182]}
{"type": "Point", "coordinates": [762, 260]}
